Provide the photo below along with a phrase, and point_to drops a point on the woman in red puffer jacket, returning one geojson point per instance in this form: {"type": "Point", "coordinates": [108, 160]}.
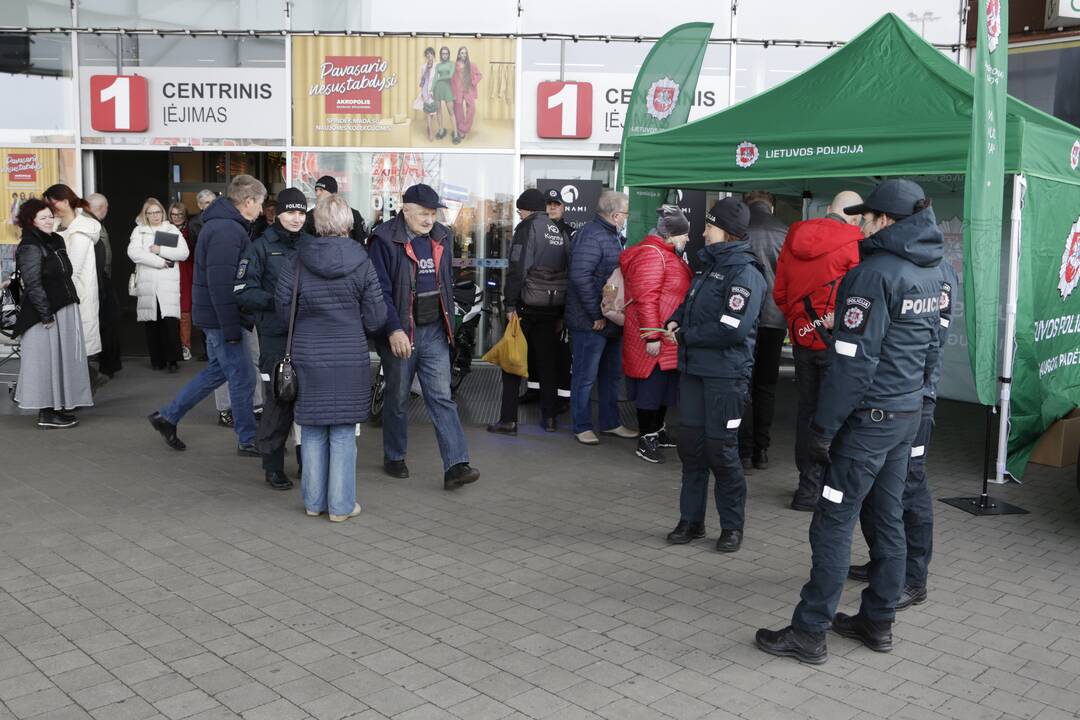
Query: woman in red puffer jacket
{"type": "Point", "coordinates": [655, 281]}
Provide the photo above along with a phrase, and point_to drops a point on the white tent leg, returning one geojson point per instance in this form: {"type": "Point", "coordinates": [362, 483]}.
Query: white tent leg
{"type": "Point", "coordinates": [1009, 344]}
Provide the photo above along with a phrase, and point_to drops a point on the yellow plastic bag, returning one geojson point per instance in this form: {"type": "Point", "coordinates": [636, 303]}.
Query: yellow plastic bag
{"type": "Point", "coordinates": [511, 353]}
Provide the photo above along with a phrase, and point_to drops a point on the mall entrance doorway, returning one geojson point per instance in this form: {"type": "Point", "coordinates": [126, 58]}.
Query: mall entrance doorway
{"type": "Point", "coordinates": [128, 177]}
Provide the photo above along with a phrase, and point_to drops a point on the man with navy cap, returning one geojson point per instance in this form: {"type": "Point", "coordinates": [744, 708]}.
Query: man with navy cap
{"type": "Point", "coordinates": [556, 209]}
{"type": "Point", "coordinates": [715, 328]}
{"type": "Point", "coordinates": [886, 345]}
{"type": "Point", "coordinates": [327, 185]}
{"type": "Point", "coordinates": [413, 257]}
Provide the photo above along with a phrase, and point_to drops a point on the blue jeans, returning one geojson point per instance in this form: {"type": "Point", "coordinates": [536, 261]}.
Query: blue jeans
{"type": "Point", "coordinates": [597, 360]}
{"type": "Point", "coordinates": [328, 482]}
{"type": "Point", "coordinates": [430, 360]}
{"type": "Point", "coordinates": [229, 362]}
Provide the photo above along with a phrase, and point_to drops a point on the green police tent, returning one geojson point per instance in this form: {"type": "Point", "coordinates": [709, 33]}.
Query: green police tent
{"type": "Point", "coordinates": [890, 104]}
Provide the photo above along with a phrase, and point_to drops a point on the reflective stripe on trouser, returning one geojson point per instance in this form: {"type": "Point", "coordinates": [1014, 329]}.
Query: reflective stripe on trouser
{"type": "Point", "coordinates": [710, 412]}
{"type": "Point", "coordinates": [918, 507]}
{"type": "Point", "coordinates": [865, 454]}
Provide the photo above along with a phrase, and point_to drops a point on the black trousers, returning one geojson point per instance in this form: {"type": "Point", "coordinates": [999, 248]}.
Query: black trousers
{"type": "Point", "coordinates": [163, 340]}
{"type": "Point", "coordinates": [542, 333]}
{"type": "Point", "coordinates": [109, 360]}
{"type": "Point", "coordinates": [754, 434]}
{"type": "Point", "coordinates": [274, 427]}
{"type": "Point", "coordinates": [564, 361]}
{"type": "Point", "coordinates": [810, 369]}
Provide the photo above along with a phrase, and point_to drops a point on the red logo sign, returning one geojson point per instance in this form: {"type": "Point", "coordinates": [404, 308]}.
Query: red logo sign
{"type": "Point", "coordinates": [564, 110]}
{"type": "Point", "coordinates": [22, 168]}
{"type": "Point", "coordinates": [1069, 273]}
{"type": "Point", "coordinates": [119, 103]}
{"type": "Point", "coordinates": [746, 154]}
{"type": "Point", "coordinates": [993, 23]}
{"type": "Point", "coordinates": [1074, 155]}
{"type": "Point", "coordinates": [354, 84]}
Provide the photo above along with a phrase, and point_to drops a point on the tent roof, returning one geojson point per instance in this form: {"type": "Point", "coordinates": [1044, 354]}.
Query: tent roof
{"type": "Point", "coordinates": [887, 103]}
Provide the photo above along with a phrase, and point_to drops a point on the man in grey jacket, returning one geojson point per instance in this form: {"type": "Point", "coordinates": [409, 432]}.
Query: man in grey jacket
{"type": "Point", "coordinates": [766, 236]}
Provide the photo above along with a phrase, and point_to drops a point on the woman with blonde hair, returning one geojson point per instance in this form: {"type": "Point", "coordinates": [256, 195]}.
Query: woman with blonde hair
{"type": "Point", "coordinates": [157, 247]}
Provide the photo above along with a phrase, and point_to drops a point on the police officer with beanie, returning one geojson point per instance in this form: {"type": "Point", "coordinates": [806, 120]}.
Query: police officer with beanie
{"type": "Point", "coordinates": [715, 328]}
{"type": "Point", "coordinates": [886, 345]}
{"type": "Point", "coordinates": [918, 505]}
{"type": "Point", "coordinates": [536, 288]}
{"type": "Point", "coordinates": [256, 280]}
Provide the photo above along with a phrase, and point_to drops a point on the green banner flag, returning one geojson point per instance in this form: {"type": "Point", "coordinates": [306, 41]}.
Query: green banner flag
{"type": "Point", "coordinates": [984, 193]}
{"type": "Point", "coordinates": [662, 96]}
{"type": "Point", "coordinates": [1047, 373]}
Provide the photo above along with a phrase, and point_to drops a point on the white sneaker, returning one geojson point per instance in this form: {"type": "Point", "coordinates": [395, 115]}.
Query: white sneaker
{"type": "Point", "coordinates": [314, 513]}
{"type": "Point", "coordinates": [587, 438]}
{"type": "Point", "coordinates": [185, 353]}
{"type": "Point", "coordinates": [343, 518]}
{"type": "Point", "coordinates": [622, 432]}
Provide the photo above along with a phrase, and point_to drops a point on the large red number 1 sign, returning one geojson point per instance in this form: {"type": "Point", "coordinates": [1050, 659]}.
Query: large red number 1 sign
{"type": "Point", "coordinates": [119, 103]}
{"type": "Point", "coordinates": [564, 110]}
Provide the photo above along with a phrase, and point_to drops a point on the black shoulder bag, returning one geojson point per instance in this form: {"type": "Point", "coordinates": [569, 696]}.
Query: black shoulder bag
{"type": "Point", "coordinates": [285, 382]}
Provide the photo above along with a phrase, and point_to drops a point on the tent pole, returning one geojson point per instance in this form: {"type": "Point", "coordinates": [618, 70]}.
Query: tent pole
{"type": "Point", "coordinates": [731, 52]}
{"type": "Point", "coordinates": [1016, 228]}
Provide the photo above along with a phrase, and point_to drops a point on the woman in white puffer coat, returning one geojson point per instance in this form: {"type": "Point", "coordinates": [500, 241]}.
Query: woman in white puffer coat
{"type": "Point", "coordinates": [80, 231]}
{"type": "Point", "coordinates": [157, 283]}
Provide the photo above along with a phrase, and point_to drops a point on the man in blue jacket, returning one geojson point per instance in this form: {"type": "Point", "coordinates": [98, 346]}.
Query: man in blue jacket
{"type": "Point", "coordinates": [223, 239]}
{"type": "Point", "coordinates": [885, 341]}
{"type": "Point", "coordinates": [256, 282]}
{"type": "Point", "coordinates": [413, 257]}
{"type": "Point", "coordinates": [597, 343]}
{"type": "Point", "coordinates": [716, 327]}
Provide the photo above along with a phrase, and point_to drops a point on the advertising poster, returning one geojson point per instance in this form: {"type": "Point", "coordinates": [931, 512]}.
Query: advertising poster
{"type": "Point", "coordinates": [27, 172]}
{"type": "Point", "coordinates": [579, 198]}
{"type": "Point", "coordinates": [403, 92]}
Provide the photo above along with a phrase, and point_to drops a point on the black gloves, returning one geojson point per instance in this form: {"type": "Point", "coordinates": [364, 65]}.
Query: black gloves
{"type": "Point", "coordinates": [817, 445]}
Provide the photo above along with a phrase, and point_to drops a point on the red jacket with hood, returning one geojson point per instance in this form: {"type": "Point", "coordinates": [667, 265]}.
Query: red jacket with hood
{"type": "Point", "coordinates": [655, 282]}
{"type": "Point", "coordinates": [815, 257]}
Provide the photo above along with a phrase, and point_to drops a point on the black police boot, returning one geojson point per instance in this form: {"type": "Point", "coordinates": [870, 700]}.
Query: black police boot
{"type": "Point", "coordinates": [760, 460]}
{"type": "Point", "coordinates": [167, 431]}
{"type": "Point", "coordinates": [791, 642]}
{"type": "Point", "coordinates": [458, 475]}
{"type": "Point", "coordinates": [729, 541]}
{"type": "Point", "coordinates": [503, 428]}
{"type": "Point", "coordinates": [802, 503]}
{"type": "Point", "coordinates": [875, 635]}
{"type": "Point", "coordinates": [550, 424]}
{"type": "Point", "coordinates": [685, 531]}
{"type": "Point", "coordinates": [911, 596]}
{"type": "Point", "coordinates": [396, 469]}
{"type": "Point", "coordinates": [747, 466]}
{"type": "Point", "coordinates": [859, 573]}
{"type": "Point", "coordinates": [277, 480]}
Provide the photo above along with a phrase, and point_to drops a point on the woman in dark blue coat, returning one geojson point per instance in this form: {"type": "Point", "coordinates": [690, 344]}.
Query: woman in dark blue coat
{"type": "Point", "coordinates": [339, 302]}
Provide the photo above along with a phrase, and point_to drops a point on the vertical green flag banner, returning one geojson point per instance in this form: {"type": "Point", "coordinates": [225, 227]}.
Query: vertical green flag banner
{"type": "Point", "coordinates": [662, 96]}
{"type": "Point", "coordinates": [983, 197]}
{"type": "Point", "coordinates": [1047, 373]}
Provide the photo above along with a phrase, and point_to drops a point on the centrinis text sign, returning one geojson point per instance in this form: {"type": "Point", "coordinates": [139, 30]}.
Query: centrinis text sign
{"type": "Point", "coordinates": [185, 106]}
{"type": "Point", "coordinates": [119, 103]}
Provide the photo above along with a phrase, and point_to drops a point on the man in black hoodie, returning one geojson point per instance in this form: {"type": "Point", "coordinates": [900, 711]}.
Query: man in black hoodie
{"type": "Point", "coordinates": [214, 310]}
{"type": "Point", "coordinates": [886, 345]}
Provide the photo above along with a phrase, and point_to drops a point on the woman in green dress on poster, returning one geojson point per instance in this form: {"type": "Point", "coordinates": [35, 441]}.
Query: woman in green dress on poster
{"type": "Point", "coordinates": [444, 93]}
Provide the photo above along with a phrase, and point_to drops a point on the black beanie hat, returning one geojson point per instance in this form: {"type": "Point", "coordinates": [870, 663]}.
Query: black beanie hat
{"type": "Point", "coordinates": [327, 183]}
{"type": "Point", "coordinates": [291, 199]}
{"type": "Point", "coordinates": [532, 199]}
{"type": "Point", "coordinates": [731, 215]}
{"type": "Point", "coordinates": [671, 221]}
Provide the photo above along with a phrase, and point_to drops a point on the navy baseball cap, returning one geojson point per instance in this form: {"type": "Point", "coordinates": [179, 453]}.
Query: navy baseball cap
{"type": "Point", "coordinates": [553, 196]}
{"type": "Point", "coordinates": [423, 195]}
{"type": "Point", "coordinates": [893, 197]}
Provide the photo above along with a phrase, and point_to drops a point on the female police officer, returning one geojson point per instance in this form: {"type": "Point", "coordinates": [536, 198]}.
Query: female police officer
{"type": "Point", "coordinates": [715, 328]}
{"type": "Point", "coordinates": [886, 345]}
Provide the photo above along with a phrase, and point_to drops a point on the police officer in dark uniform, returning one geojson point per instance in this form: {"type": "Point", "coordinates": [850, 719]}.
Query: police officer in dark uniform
{"type": "Point", "coordinates": [918, 505]}
{"type": "Point", "coordinates": [715, 328]}
{"type": "Point", "coordinates": [256, 280]}
{"type": "Point", "coordinates": [886, 345]}
{"type": "Point", "coordinates": [555, 209]}
{"type": "Point", "coordinates": [536, 288]}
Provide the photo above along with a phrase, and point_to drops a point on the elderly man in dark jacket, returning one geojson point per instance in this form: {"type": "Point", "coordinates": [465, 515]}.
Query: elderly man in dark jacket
{"type": "Point", "coordinates": [256, 282]}
{"type": "Point", "coordinates": [766, 237]}
{"type": "Point", "coordinates": [223, 239]}
{"type": "Point", "coordinates": [597, 343]}
{"type": "Point", "coordinates": [412, 255]}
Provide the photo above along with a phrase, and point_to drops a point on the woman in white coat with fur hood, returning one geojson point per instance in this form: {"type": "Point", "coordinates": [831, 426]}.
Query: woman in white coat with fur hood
{"type": "Point", "coordinates": [157, 282]}
{"type": "Point", "coordinates": [80, 231]}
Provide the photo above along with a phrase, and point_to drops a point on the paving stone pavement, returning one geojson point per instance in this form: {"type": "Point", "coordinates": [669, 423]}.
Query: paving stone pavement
{"type": "Point", "coordinates": [137, 582]}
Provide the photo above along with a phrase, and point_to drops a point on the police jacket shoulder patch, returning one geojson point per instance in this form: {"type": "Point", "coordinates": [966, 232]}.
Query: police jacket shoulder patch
{"type": "Point", "coordinates": [241, 269]}
{"type": "Point", "coordinates": [856, 313]}
{"type": "Point", "coordinates": [737, 299]}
